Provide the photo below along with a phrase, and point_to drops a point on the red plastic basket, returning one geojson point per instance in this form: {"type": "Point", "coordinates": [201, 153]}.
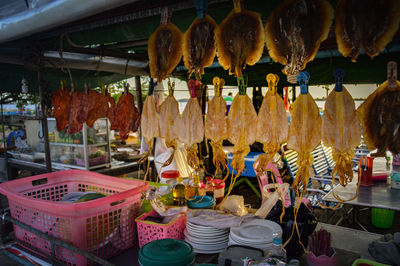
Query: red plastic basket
{"type": "Point", "coordinates": [149, 231]}
{"type": "Point", "coordinates": [105, 226]}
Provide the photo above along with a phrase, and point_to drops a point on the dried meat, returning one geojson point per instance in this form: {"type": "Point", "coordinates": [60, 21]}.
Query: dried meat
{"type": "Point", "coordinates": [216, 126]}
{"type": "Point", "coordinates": [295, 30]}
{"type": "Point", "coordinates": [240, 40]}
{"type": "Point", "coordinates": [169, 113]}
{"type": "Point", "coordinates": [124, 112]}
{"type": "Point", "coordinates": [199, 45]}
{"type": "Point", "coordinates": [77, 99]}
{"type": "Point", "coordinates": [99, 109]}
{"type": "Point", "coordinates": [165, 50]}
{"type": "Point", "coordinates": [369, 26]}
{"type": "Point", "coordinates": [272, 125]}
{"type": "Point", "coordinates": [61, 101]}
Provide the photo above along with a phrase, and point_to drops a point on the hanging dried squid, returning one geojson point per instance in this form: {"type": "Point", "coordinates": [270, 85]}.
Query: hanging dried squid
{"type": "Point", "coordinates": [190, 126]}
{"type": "Point", "coordinates": [199, 45]}
{"type": "Point", "coordinates": [216, 126]}
{"type": "Point", "coordinates": [169, 115]}
{"type": "Point", "coordinates": [341, 129]}
{"type": "Point", "coordinates": [294, 32]}
{"type": "Point", "coordinates": [369, 25]}
{"type": "Point", "coordinates": [304, 132]}
{"type": "Point", "coordinates": [165, 50]}
{"type": "Point", "coordinates": [272, 125]}
{"type": "Point", "coordinates": [240, 40]}
{"type": "Point", "coordinates": [380, 116]}
{"type": "Point", "coordinates": [61, 101]}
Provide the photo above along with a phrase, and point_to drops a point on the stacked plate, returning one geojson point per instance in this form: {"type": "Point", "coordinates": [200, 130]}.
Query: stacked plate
{"type": "Point", "coordinates": [255, 233]}
{"type": "Point", "coordinates": [205, 239]}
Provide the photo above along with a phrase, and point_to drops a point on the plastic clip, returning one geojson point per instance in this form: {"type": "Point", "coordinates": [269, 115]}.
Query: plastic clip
{"type": "Point", "coordinates": [272, 80]}
{"type": "Point", "coordinates": [392, 74]}
{"type": "Point", "coordinates": [171, 87]}
{"type": "Point", "coordinates": [194, 84]}
{"type": "Point", "coordinates": [218, 84]}
{"type": "Point", "coordinates": [151, 86]}
{"type": "Point", "coordinates": [303, 78]}
{"type": "Point", "coordinates": [339, 75]}
{"type": "Point", "coordinates": [165, 16]}
{"type": "Point", "coordinates": [201, 7]}
{"type": "Point", "coordinates": [237, 5]}
{"type": "Point", "coordinates": [242, 84]}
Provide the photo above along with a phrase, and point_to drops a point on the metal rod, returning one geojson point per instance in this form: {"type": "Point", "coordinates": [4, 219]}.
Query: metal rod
{"type": "Point", "coordinates": [44, 120]}
{"type": "Point", "coordinates": [4, 143]}
{"type": "Point", "coordinates": [59, 242]}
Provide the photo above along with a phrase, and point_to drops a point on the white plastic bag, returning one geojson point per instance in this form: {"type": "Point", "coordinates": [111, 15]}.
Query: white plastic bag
{"type": "Point", "coordinates": [234, 204]}
{"type": "Point", "coordinates": [271, 198]}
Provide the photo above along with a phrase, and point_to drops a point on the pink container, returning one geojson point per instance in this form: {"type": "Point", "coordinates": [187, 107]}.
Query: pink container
{"type": "Point", "coordinates": [149, 231]}
{"type": "Point", "coordinates": [104, 226]}
{"type": "Point", "coordinates": [322, 260]}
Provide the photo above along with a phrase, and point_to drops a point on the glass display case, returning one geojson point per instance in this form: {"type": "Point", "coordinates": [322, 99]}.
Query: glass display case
{"type": "Point", "coordinates": [88, 149]}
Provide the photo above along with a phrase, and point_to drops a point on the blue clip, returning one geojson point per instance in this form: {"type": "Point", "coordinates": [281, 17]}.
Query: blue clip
{"type": "Point", "coordinates": [303, 78]}
{"type": "Point", "coordinates": [151, 86]}
{"type": "Point", "coordinates": [338, 74]}
{"type": "Point", "coordinates": [201, 7]}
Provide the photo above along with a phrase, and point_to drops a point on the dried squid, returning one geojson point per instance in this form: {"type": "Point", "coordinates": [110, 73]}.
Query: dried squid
{"type": "Point", "coordinates": [369, 25]}
{"type": "Point", "coordinates": [380, 117]}
{"type": "Point", "coordinates": [191, 127]}
{"type": "Point", "coordinates": [61, 101]}
{"type": "Point", "coordinates": [169, 114]}
{"type": "Point", "coordinates": [165, 50]}
{"type": "Point", "coordinates": [240, 40]}
{"type": "Point", "coordinates": [215, 126]}
{"type": "Point", "coordinates": [294, 32]}
{"type": "Point", "coordinates": [341, 129]}
{"type": "Point", "coordinates": [241, 125]}
{"type": "Point", "coordinates": [304, 132]}
{"type": "Point", "coordinates": [199, 45]}
{"type": "Point", "coordinates": [272, 125]}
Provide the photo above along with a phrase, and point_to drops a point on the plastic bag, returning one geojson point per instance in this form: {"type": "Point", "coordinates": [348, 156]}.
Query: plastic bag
{"type": "Point", "coordinates": [234, 204]}
{"type": "Point", "coordinates": [306, 223]}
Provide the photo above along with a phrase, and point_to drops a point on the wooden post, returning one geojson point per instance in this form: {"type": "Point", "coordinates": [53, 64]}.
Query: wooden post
{"type": "Point", "coordinates": [139, 101]}
{"type": "Point", "coordinates": [44, 120]}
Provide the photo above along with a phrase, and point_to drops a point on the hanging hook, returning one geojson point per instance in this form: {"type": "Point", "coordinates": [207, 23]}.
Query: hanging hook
{"type": "Point", "coordinates": [242, 84]}
{"type": "Point", "coordinates": [303, 78]}
{"type": "Point", "coordinates": [171, 87]}
{"type": "Point", "coordinates": [339, 74]}
{"type": "Point", "coordinates": [165, 16]}
{"type": "Point", "coordinates": [392, 74]}
{"type": "Point", "coordinates": [237, 5]}
{"type": "Point", "coordinates": [201, 7]}
{"type": "Point", "coordinates": [272, 80]}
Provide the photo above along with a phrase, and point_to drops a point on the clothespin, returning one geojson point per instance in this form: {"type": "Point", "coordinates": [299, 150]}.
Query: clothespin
{"type": "Point", "coordinates": [126, 88]}
{"type": "Point", "coordinates": [272, 80]}
{"type": "Point", "coordinates": [237, 6]}
{"type": "Point", "coordinates": [339, 75]}
{"type": "Point", "coordinates": [303, 78]}
{"type": "Point", "coordinates": [151, 86]}
{"type": "Point", "coordinates": [201, 7]}
{"type": "Point", "coordinates": [392, 74]}
{"type": "Point", "coordinates": [242, 84]}
{"type": "Point", "coordinates": [171, 87]}
{"type": "Point", "coordinates": [218, 84]}
{"type": "Point", "coordinates": [165, 16]}
{"type": "Point", "coordinates": [194, 85]}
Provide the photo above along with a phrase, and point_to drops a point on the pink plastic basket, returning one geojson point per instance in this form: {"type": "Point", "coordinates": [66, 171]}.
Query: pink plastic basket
{"type": "Point", "coordinates": [104, 226]}
{"type": "Point", "coordinates": [149, 231]}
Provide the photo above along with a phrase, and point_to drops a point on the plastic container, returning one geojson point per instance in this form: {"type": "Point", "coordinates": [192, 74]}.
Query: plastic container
{"type": "Point", "coordinates": [313, 260]}
{"type": "Point", "coordinates": [219, 189]}
{"type": "Point", "coordinates": [395, 178]}
{"type": "Point", "coordinates": [94, 225]}
{"type": "Point", "coordinates": [201, 202]}
{"type": "Point", "coordinates": [166, 252]}
{"type": "Point", "coordinates": [149, 231]}
{"type": "Point", "coordinates": [382, 218]}
{"type": "Point", "coordinates": [249, 161]}
{"type": "Point", "coordinates": [366, 175]}
{"type": "Point", "coordinates": [364, 262]}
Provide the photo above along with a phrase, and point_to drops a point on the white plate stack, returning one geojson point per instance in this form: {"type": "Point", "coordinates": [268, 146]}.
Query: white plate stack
{"type": "Point", "coordinates": [255, 233]}
{"type": "Point", "coordinates": [206, 239]}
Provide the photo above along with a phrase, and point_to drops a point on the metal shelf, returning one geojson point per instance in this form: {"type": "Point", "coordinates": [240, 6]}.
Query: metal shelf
{"type": "Point", "coordinates": [78, 145]}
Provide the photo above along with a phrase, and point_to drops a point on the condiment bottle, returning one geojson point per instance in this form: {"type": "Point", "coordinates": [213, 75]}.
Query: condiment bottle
{"type": "Point", "coordinates": [193, 188]}
{"type": "Point", "coordinates": [179, 192]}
{"type": "Point", "coordinates": [209, 187]}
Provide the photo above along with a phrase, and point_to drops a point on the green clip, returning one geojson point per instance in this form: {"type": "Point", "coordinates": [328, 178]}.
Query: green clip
{"type": "Point", "coordinates": [242, 84]}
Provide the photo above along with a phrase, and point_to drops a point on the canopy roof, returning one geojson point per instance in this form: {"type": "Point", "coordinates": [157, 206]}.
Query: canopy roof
{"type": "Point", "coordinates": [113, 45]}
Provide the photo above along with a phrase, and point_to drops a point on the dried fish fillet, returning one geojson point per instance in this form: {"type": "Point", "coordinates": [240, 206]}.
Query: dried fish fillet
{"type": "Point", "coordinates": [169, 114]}
{"type": "Point", "coordinates": [61, 101]}
{"type": "Point", "coordinates": [165, 50]}
{"type": "Point", "coordinates": [240, 41]}
{"type": "Point", "coordinates": [272, 125]}
{"type": "Point", "coordinates": [295, 30]}
{"type": "Point", "coordinates": [216, 126]}
{"type": "Point", "coordinates": [199, 45]}
{"type": "Point", "coordinates": [341, 130]}
{"type": "Point", "coordinates": [369, 26]}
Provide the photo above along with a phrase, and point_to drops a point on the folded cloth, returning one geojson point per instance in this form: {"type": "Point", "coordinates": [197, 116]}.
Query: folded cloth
{"type": "Point", "coordinates": [386, 250]}
{"type": "Point", "coordinates": [217, 219]}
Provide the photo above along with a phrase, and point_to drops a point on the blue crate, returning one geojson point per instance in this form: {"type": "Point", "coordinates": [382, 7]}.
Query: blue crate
{"type": "Point", "coordinates": [249, 160]}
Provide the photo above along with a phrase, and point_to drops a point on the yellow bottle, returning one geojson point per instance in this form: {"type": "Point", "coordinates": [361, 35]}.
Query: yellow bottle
{"type": "Point", "coordinates": [179, 192]}
{"type": "Point", "coordinates": [193, 189]}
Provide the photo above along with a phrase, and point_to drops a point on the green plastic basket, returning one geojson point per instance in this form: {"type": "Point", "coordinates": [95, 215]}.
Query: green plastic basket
{"type": "Point", "coordinates": [358, 262]}
{"type": "Point", "coordinates": [382, 218]}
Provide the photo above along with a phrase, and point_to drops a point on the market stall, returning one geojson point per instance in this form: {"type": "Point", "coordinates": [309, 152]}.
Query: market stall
{"type": "Point", "coordinates": [195, 211]}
